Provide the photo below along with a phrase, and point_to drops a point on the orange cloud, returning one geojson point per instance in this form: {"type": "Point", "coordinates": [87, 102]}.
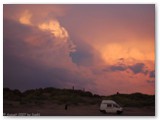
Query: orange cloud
{"type": "Point", "coordinates": [54, 27]}
{"type": "Point", "coordinates": [25, 18]}
{"type": "Point", "coordinates": [45, 21]}
{"type": "Point", "coordinates": [112, 51]}
{"type": "Point", "coordinates": [47, 43]}
{"type": "Point", "coordinates": [43, 30]}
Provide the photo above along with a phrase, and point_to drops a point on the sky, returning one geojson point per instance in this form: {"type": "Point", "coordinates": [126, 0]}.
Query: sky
{"type": "Point", "coordinates": [101, 48]}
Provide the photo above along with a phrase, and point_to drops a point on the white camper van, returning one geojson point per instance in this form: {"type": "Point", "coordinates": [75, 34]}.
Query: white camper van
{"type": "Point", "coordinates": [110, 106]}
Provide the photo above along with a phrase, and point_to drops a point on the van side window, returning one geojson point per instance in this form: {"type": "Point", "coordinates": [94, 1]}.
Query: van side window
{"type": "Point", "coordinates": [109, 105]}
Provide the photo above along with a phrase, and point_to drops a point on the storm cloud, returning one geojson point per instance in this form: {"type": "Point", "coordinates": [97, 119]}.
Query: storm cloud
{"type": "Point", "coordinates": [86, 46]}
{"type": "Point", "coordinates": [23, 75]}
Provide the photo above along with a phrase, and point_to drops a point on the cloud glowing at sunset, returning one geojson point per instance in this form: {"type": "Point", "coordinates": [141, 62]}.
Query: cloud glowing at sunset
{"type": "Point", "coordinates": [86, 46]}
{"type": "Point", "coordinates": [55, 28]}
{"type": "Point", "coordinates": [25, 18]}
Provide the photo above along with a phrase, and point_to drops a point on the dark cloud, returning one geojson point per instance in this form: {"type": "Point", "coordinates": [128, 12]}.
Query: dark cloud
{"type": "Point", "coordinates": [137, 68]}
{"type": "Point", "coordinates": [82, 57]}
{"type": "Point", "coordinates": [114, 68]}
{"type": "Point", "coordinates": [120, 66]}
{"type": "Point", "coordinates": [21, 74]}
{"type": "Point", "coordinates": [31, 43]}
{"type": "Point", "coordinates": [117, 68]}
{"type": "Point", "coordinates": [15, 35]}
{"type": "Point", "coordinates": [26, 62]}
{"type": "Point", "coordinates": [13, 32]}
{"type": "Point", "coordinates": [152, 74]}
{"type": "Point", "coordinates": [84, 54]}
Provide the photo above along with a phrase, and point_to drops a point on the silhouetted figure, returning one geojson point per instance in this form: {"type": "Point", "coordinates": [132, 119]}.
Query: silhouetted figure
{"type": "Point", "coordinates": [66, 106]}
{"type": "Point", "coordinates": [117, 93]}
{"type": "Point", "coordinates": [73, 88]}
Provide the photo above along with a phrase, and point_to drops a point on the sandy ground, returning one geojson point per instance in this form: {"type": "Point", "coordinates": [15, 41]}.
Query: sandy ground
{"type": "Point", "coordinates": [73, 110]}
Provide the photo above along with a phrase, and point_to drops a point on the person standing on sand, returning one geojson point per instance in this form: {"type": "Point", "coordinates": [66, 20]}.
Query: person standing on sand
{"type": "Point", "coordinates": [66, 106]}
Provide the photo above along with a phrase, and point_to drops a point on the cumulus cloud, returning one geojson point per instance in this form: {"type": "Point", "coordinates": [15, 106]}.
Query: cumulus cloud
{"type": "Point", "coordinates": [38, 54]}
{"type": "Point", "coordinates": [54, 27]}
{"type": "Point", "coordinates": [46, 20]}
{"type": "Point", "coordinates": [33, 59]}
{"type": "Point", "coordinates": [43, 47]}
{"type": "Point", "coordinates": [31, 43]}
{"type": "Point", "coordinates": [44, 38]}
{"type": "Point", "coordinates": [60, 34]}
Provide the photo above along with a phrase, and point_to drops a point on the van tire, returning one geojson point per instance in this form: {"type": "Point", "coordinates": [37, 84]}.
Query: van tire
{"type": "Point", "coordinates": [119, 112]}
{"type": "Point", "coordinates": [102, 111]}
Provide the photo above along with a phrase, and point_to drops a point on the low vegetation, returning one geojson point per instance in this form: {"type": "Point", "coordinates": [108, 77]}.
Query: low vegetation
{"type": "Point", "coordinates": [133, 100]}
{"type": "Point", "coordinates": [75, 97]}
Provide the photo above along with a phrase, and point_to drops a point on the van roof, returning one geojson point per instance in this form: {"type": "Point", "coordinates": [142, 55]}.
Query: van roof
{"type": "Point", "coordinates": [108, 101]}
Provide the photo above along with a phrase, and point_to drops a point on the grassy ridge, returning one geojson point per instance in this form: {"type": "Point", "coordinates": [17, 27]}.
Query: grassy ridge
{"type": "Point", "coordinates": [76, 97]}
{"type": "Point", "coordinates": [133, 100]}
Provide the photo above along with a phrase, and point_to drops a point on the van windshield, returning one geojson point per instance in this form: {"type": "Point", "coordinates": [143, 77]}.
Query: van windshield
{"type": "Point", "coordinates": [116, 105]}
